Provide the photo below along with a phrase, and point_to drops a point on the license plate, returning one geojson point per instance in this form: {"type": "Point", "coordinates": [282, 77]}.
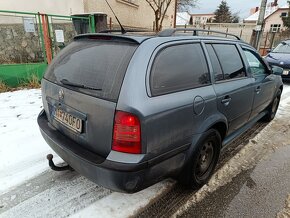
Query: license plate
{"type": "Point", "coordinates": [285, 72]}
{"type": "Point", "coordinates": [68, 120]}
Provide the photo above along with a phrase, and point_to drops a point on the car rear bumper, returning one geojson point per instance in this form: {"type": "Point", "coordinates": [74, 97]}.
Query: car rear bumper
{"type": "Point", "coordinates": [113, 175]}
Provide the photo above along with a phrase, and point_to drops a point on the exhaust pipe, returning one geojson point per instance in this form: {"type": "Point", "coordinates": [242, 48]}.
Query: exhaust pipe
{"type": "Point", "coordinates": [49, 157]}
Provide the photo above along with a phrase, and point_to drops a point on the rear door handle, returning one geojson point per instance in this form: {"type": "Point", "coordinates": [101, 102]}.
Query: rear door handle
{"type": "Point", "coordinates": [226, 101]}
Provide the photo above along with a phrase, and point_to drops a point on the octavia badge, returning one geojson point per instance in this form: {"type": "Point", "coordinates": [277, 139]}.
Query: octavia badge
{"type": "Point", "coordinates": [61, 94]}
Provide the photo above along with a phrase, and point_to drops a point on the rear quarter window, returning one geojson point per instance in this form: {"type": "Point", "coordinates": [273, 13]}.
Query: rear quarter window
{"type": "Point", "coordinates": [177, 68]}
{"type": "Point", "coordinates": [97, 64]}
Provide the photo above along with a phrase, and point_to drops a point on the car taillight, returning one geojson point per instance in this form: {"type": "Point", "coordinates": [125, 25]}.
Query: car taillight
{"type": "Point", "coordinates": [127, 133]}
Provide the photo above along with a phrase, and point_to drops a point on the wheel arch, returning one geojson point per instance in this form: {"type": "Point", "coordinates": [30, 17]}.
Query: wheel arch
{"type": "Point", "coordinates": [281, 89]}
{"type": "Point", "coordinates": [221, 127]}
{"type": "Point", "coordinates": [217, 122]}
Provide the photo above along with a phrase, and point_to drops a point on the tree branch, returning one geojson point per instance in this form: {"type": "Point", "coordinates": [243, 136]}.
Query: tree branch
{"type": "Point", "coordinates": [156, 4]}
{"type": "Point", "coordinates": [149, 2]}
{"type": "Point", "coordinates": [164, 13]}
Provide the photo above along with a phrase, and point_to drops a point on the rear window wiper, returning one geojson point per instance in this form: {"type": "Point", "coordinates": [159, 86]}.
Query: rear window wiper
{"type": "Point", "coordinates": [68, 83]}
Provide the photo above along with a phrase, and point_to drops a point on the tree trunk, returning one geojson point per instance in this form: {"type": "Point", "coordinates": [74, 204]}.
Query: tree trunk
{"type": "Point", "coordinates": [157, 21]}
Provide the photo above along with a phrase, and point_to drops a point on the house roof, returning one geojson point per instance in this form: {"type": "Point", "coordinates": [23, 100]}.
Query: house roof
{"type": "Point", "coordinates": [202, 14]}
{"type": "Point", "coordinates": [182, 18]}
{"type": "Point", "coordinates": [269, 11]}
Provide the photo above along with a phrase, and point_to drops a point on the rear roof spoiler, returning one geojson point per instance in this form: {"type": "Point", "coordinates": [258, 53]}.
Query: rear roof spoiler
{"type": "Point", "coordinates": [111, 37]}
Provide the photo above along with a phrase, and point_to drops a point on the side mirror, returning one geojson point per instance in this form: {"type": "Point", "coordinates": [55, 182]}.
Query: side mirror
{"type": "Point", "coordinates": [277, 70]}
{"type": "Point", "coordinates": [268, 50]}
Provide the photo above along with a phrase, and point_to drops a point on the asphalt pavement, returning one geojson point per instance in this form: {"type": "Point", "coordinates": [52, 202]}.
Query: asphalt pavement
{"type": "Point", "coordinates": [257, 192]}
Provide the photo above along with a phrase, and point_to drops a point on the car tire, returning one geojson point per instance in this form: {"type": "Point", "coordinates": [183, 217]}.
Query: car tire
{"type": "Point", "coordinates": [203, 161]}
{"type": "Point", "coordinates": [273, 107]}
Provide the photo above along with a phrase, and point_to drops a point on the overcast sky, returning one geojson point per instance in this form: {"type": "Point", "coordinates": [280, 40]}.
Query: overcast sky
{"type": "Point", "coordinates": [241, 6]}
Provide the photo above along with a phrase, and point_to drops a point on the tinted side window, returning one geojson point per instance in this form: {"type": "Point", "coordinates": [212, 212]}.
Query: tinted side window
{"type": "Point", "coordinates": [218, 73]}
{"type": "Point", "coordinates": [178, 68]}
{"type": "Point", "coordinates": [230, 60]}
{"type": "Point", "coordinates": [256, 66]}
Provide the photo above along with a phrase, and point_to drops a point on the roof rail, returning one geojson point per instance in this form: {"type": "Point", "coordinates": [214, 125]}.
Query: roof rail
{"type": "Point", "coordinates": [171, 32]}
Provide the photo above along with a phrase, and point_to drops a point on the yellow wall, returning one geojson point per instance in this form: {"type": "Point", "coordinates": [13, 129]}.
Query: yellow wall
{"type": "Point", "coordinates": [139, 15]}
{"type": "Point", "coordinates": [134, 15]}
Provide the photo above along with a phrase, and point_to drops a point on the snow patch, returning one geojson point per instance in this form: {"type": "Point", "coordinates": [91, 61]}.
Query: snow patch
{"type": "Point", "coordinates": [123, 205]}
{"type": "Point", "coordinates": [22, 149]}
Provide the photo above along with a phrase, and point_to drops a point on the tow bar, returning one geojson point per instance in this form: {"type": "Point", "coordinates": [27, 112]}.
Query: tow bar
{"type": "Point", "coordinates": [57, 168]}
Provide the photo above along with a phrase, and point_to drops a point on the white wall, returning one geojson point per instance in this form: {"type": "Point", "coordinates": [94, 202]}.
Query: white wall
{"type": "Point", "coordinates": [62, 7]}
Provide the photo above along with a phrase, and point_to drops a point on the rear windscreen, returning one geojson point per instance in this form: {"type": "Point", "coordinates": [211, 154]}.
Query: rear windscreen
{"type": "Point", "coordinates": [99, 65]}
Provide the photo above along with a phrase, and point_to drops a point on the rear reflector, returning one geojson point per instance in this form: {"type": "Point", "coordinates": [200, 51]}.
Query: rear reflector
{"type": "Point", "coordinates": [127, 133]}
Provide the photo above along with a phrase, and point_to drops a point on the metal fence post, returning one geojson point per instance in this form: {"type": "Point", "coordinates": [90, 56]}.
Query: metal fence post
{"type": "Point", "coordinates": [92, 23]}
{"type": "Point", "coordinates": [42, 38]}
{"type": "Point", "coordinates": [46, 38]}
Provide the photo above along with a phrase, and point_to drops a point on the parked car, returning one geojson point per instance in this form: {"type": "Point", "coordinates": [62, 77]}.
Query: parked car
{"type": "Point", "coordinates": [280, 56]}
{"type": "Point", "coordinates": [127, 111]}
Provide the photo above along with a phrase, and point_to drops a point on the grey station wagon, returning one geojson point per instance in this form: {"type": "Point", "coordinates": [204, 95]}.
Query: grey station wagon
{"type": "Point", "coordinates": [127, 111]}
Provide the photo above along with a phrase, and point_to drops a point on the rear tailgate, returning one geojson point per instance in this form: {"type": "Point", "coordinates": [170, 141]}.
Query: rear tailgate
{"type": "Point", "coordinates": [81, 87]}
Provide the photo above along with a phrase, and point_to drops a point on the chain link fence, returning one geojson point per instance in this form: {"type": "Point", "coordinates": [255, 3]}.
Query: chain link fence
{"type": "Point", "coordinates": [63, 29]}
{"type": "Point", "coordinates": [271, 39]}
{"type": "Point", "coordinates": [20, 40]}
{"type": "Point", "coordinates": [29, 41]}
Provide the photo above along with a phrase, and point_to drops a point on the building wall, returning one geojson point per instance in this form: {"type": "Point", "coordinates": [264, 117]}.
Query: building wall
{"type": "Point", "coordinates": [275, 18]}
{"type": "Point", "coordinates": [242, 30]}
{"type": "Point", "coordinates": [59, 7]}
{"type": "Point", "coordinates": [135, 14]}
{"type": "Point", "coordinates": [63, 7]}
{"type": "Point", "coordinates": [202, 19]}
{"type": "Point", "coordinates": [138, 15]}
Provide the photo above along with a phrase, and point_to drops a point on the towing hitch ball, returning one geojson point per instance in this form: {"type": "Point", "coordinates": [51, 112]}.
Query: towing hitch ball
{"type": "Point", "coordinates": [51, 164]}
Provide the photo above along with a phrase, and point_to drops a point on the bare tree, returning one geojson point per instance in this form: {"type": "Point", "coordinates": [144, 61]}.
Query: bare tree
{"type": "Point", "coordinates": [160, 8]}
{"type": "Point", "coordinates": [186, 5]}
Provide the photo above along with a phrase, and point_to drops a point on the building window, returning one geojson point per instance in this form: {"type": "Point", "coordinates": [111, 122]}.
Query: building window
{"type": "Point", "coordinates": [284, 14]}
{"type": "Point", "coordinates": [134, 3]}
{"type": "Point", "coordinates": [131, 1]}
{"type": "Point", "coordinates": [275, 28]}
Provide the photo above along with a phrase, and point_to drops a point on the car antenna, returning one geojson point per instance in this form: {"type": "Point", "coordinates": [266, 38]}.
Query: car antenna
{"type": "Point", "coordinates": [122, 28]}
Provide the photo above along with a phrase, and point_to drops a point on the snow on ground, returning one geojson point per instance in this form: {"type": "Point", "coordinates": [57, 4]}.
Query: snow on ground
{"type": "Point", "coordinates": [23, 161]}
{"type": "Point", "coordinates": [22, 149]}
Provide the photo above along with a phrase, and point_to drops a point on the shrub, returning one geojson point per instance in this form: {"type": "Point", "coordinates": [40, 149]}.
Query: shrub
{"type": "Point", "coordinates": [33, 82]}
{"type": "Point", "coordinates": [3, 87]}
